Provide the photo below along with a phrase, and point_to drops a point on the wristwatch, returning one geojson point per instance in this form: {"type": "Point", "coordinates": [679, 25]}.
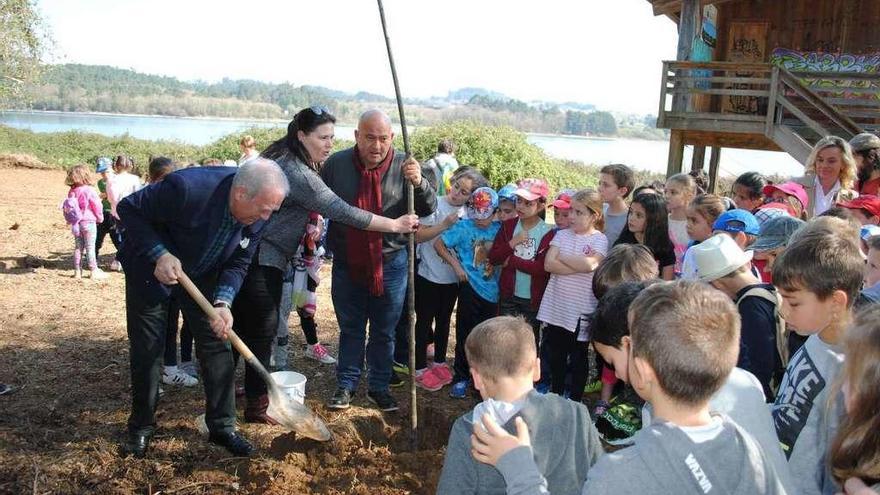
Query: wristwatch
{"type": "Point", "coordinates": [222, 304]}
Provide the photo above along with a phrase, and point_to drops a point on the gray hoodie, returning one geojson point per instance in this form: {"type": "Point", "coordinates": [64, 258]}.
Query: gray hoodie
{"type": "Point", "coordinates": [741, 398]}
{"type": "Point", "coordinates": [564, 446]}
{"type": "Point", "coordinates": [664, 460]}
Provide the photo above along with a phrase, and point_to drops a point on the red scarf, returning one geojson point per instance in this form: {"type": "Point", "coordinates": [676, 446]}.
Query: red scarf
{"type": "Point", "coordinates": [364, 248]}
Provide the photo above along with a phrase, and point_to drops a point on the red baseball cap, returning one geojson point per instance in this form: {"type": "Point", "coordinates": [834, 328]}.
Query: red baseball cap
{"type": "Point", "coordinates": [563, 200]}
{"type": "Point", "coordinates": [867, 202]}
{"type": "Point", "coordinates": [790, 188]}
{"type": "Point", "coordinates": [531, 189]}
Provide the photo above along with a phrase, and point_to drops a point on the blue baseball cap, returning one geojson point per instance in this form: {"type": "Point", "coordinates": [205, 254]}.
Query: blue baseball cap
{"type": "Point", "coordinates": [103, 164]}
{"type": "Point", "coordinates": [737, 221]}
{"type": "Point", "coordinates": [507, 192]}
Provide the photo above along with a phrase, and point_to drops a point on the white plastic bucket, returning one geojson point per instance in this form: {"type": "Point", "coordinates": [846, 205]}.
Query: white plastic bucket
{"type": "Point", "coordinates": [292, 383]}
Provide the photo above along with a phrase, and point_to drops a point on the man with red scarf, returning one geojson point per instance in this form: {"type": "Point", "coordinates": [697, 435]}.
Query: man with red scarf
{"type": "Point", "coordinates": [370, 268]}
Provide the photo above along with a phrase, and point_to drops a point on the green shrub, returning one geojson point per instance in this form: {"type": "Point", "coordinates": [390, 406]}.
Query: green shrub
{"type": "Point", "coordinates": [502, 154]}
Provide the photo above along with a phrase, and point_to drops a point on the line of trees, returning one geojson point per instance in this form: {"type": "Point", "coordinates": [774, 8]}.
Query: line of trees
{"type": "Point", "coordinates": [82, 88]}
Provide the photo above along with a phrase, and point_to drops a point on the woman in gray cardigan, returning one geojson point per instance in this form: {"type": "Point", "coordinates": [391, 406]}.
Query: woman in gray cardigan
{"type": "Point", "coordinates": [300, 153]}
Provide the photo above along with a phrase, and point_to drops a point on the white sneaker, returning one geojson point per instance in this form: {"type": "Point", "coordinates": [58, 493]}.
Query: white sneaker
{"type": "Point", "coordinates": [98, 274]}
{"type": "Point", "coordinates": [172, 375]}
{"type": "Point", "coordinates": [191, 368]}
{"type": "Point", "coordinates": [115, 266]}
{"type": "Point", "coordinates": [319, 354]}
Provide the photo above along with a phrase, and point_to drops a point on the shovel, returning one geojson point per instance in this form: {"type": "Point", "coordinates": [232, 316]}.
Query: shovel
{"type": "Point", "coordinates": [287, 412]}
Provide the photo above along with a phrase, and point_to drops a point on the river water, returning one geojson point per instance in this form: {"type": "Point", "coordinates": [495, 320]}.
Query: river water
{"type": "Point", "coordinates": [639, 154]}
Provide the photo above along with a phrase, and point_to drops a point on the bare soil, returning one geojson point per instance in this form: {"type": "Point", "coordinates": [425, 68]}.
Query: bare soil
{"type": "Point", "coordinates": [63, 346]}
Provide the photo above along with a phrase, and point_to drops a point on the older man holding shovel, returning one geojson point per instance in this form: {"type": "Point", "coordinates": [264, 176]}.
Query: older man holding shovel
{"type": "Point", "coordinates": [204, 222]}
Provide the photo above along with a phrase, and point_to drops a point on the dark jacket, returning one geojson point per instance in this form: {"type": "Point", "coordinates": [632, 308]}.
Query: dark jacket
{"type": "Point", "coordinates": [501, 252]}
{"type": "Point", "coordinates": [341, 176]}
{"type": "Point", "coordinates": [183, 215]}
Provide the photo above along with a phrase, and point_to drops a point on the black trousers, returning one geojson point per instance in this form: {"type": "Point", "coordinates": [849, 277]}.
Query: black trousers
{"type": "Point", "coordinates": [563, 345]}
{"type": "Point", "coordinates": [104, 228]}
{"type": "Point", "coordinates": [434, 305]}
{"type": "Point", "coordinates": [472, 310]}
{"type": "Point", "coordinates": [517, 306]}
{"type": "Point", "coordinates": [255, 314]}
{"type": "Point", "coordinates": [146, 324]}
{"type": "Point", "coordinates": [186, 339]}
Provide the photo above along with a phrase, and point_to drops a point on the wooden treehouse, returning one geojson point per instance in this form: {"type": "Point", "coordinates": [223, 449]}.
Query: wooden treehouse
{"type": "Point", "coordinates": [768, 75]}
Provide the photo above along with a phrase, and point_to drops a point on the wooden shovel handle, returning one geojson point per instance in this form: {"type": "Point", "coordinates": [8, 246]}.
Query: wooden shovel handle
{"type": "Point", "coordinates": [209, 310]}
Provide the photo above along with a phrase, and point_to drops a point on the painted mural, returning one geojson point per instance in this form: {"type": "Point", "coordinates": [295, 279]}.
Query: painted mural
{"type": "Point", "coordinates": [798, 61]}
{"type": "Point", "coordinates": [843, 63]}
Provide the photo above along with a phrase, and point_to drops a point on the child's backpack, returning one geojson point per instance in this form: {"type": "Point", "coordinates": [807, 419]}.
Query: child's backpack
{"type": "Point", "coordinates": [72, 212]}
{"type": "Point", "coordinates": [781, 327]}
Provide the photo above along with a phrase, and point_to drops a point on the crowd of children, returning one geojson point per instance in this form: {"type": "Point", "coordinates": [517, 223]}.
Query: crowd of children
{"type": "Point", "coordinates": [741, 337]}
{"type": "Point", "coordinates": [746, 328]}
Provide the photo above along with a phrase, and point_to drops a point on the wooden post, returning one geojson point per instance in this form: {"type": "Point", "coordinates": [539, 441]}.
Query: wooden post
{"type": "Point", "coordinates": [699, 158]}
{"type": "Point", "coordinates": [714, 158]}
{"type": "Point", "coordinates": [688, 28]}
{"type": "Point", "coordinates": [676, 153]}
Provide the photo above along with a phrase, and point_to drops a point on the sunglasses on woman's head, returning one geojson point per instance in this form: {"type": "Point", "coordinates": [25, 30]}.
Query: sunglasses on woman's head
{"type": "Point", "coordinates": [319, 109]}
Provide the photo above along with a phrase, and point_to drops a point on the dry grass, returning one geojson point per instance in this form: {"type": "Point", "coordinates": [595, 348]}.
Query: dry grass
{"type": "Point", "coordinates": [64, 347]}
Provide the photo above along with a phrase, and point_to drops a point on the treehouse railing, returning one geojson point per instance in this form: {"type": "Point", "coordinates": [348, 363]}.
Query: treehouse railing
{"type": "Point", "coordinates": [792, 109]}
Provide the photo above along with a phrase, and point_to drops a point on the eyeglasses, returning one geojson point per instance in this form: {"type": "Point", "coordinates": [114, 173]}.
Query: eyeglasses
{"type": "Point", "coordinates": [319, 109]}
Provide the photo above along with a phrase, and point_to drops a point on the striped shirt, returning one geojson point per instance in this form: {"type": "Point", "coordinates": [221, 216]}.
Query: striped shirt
{"type": "Point", "coordinates": [569, 297]}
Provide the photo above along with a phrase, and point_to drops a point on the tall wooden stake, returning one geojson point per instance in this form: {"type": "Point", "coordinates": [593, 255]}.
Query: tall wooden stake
{"type": "Point", "coordinates": [410, 287]}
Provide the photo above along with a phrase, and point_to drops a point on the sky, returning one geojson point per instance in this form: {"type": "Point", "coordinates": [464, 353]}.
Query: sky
{"type": "Point", "coordinates": [604, 52]}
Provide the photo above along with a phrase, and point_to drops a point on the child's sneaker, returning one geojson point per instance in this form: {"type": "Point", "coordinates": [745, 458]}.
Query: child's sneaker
{"type": "Point", "coordinates": [400, 368]}
{"type": "Point", "coordinates": [430, 354]}
{"type": "Point", "coordinates": [115, 266]}
{"type": "Point", "coordinates": [190, 368]}
{"type": "Point", "coordinates": [395, 381]}
{"type": "Point", "coordinates": [442, 372]}
{"type": "Point", "coordinates": [98, 274]}
{"type": "Point", "coordinates": [459, 389]}
{"type": "Point", "coordinates": [319, 353]}
{"type": "Point", "coordinates": [172, 375]}
{"type": "Point", "coordinates": [426, 379]}
{"type": "Point", "coordinates": [78, 273]}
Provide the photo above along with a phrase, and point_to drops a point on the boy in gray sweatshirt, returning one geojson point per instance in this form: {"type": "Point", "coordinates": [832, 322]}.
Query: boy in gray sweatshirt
{"type": "Point", "coordinates": [502, 356]}
{"type": "Point", "coordinates": [819, 276]}
{"type": "Point", "coordinates": [683, 343]}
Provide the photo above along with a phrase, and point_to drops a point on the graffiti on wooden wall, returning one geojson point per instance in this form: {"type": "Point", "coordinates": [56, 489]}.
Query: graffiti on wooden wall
{"type": "Point", "coordinates": [841, 63]}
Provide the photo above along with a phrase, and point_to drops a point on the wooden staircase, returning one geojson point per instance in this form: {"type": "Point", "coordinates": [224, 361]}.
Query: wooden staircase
{"type": "Point", "coordinates": [760, 106]}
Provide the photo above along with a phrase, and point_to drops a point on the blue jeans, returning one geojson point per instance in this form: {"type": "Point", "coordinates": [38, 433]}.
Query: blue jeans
{"type": "Point", "coordinates": [354, 308]}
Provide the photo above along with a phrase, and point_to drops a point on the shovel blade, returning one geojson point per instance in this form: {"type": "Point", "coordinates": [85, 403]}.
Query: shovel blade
{"type": "Point", "coordinates": [295, 416]}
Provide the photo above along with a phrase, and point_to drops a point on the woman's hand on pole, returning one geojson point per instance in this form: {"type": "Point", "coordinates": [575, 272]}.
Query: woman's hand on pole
{"type": "Point", "coordinates": [406, 224]}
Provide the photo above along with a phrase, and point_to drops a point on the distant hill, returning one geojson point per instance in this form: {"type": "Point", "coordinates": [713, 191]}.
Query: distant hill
{"type": "Point", "coordinates": [97, 88]}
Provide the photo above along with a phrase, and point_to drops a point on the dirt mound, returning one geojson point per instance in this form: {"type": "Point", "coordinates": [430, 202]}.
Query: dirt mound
{"type": "Point", "coordinates": [22, 161]}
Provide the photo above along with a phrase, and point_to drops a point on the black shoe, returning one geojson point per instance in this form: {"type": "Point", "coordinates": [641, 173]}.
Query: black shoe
{"type": "Point", "coordinates": [383, 400]}
{"type": "Point", "coordinates": [341, 399]}
{"type": "Point", "coordinates": [233, 442]}
{"type": "Point", "coordinates": [135, 445]}
{"type": "Point", "coordinates": [395, 381]}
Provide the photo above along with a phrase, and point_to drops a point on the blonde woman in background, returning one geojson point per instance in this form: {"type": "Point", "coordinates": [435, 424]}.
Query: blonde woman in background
{"type": "Point", "coordinates": [830, 175]}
